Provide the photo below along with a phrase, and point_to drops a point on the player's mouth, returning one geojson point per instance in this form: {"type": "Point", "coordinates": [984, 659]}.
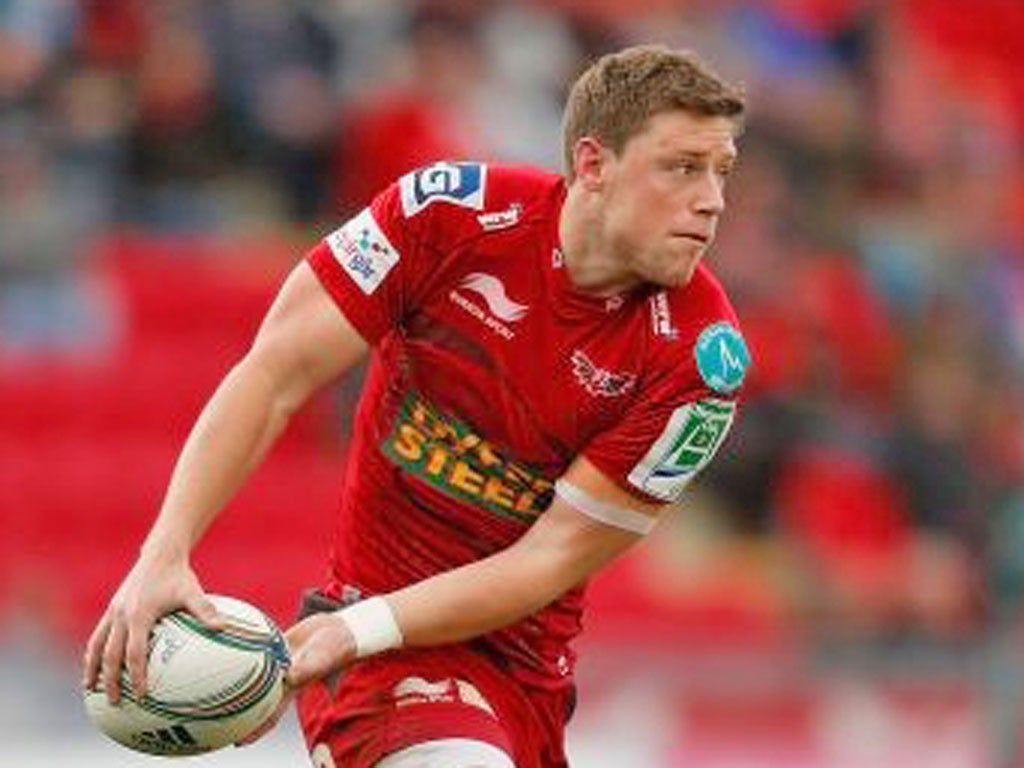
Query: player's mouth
{"type": "Point", "coordinates": [694, 237]}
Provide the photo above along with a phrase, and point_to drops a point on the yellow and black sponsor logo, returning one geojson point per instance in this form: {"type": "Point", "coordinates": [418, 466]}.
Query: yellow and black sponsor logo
{"type": "Point", "coordinates": [450, 456]}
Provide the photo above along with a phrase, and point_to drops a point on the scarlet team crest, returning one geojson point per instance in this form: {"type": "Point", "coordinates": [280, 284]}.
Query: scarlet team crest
{"type": "Point", "coordinates": [598, 381]}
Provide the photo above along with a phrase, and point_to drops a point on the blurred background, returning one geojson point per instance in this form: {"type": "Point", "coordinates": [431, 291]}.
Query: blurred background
{"type": "Point", "coordinates": [842, 588]}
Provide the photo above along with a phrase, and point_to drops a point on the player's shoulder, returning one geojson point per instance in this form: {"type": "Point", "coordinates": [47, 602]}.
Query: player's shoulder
{"type": "Point", "coordinates": [703, 297]}
{"type": "Point", "coordinates": [451, 203]}
{"type": "Point", "coordinates": [697, 333]}
{"type": "Point", "coordinates": [480, 196]}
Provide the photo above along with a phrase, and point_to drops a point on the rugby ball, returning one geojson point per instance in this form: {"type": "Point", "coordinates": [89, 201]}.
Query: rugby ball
{"type": "Point", "coordinates": [206, 689]}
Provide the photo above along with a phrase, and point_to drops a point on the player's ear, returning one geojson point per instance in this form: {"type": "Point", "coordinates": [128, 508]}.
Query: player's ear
{"type": "Point", "coordinates": [590, 163]}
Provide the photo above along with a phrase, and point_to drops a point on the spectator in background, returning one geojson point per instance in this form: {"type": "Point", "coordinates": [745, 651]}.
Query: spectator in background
{"type": "Point", "coordinates": [176, 146]}
{"type": "Point", "coordinates": [33, 35]}
{"type": "Point", "coordinates": [59, 134]}
{"type": "Point", "coordinates": [273, 64]}
{"type": "Point", "coordinates": [46, 305]}
{"type": "Point", "coordinates": [426, 116]}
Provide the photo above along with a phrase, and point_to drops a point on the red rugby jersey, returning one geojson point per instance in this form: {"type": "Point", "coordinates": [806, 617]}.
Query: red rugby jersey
{"type": "Point", "coordinates": [490, 374]}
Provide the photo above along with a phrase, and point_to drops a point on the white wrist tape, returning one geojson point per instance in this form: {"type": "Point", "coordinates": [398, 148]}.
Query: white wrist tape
{"type": "Point", "coordinates": [603, 512]}
{"type": "Point", "coordinates": [373, 626]}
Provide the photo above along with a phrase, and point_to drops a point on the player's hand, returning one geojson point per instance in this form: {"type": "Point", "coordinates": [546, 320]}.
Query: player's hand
{"type": "Point", "coordinates": [319, 645]}
{"type": "Point", "coordinates": [154, 587]}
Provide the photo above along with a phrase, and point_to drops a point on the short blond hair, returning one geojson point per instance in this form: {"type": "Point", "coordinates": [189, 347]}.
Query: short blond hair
{"type": "Point", "coordinates": [615, 97]}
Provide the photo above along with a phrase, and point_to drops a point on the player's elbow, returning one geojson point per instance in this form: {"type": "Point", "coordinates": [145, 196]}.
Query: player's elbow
{"type": "Point", "coordinates": [279, 376]}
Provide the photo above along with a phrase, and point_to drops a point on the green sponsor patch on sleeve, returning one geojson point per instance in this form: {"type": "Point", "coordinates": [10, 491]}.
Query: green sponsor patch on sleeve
{"type": "Point", "coordinates": [687, 444]}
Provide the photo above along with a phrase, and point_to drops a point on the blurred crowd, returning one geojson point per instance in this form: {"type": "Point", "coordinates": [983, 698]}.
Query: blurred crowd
{"type": "Point", "coordinates": [874, 244]}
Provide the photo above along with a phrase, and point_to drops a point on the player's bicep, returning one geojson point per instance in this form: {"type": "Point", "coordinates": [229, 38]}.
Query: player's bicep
{"type": "Point", "coordinates": [591, 520]}
{"type": "Point", "coordinates": [592, 492]}
{"type": "Point", "coordinates": [305, 341]}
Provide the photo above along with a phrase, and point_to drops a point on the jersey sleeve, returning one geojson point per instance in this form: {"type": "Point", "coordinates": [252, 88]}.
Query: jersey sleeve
{"type": "Point", "coordinates": [376, 264]}
{"type": "Point", "coordinates": [678, 422]}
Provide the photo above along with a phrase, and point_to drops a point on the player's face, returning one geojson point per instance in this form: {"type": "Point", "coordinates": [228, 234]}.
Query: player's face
{"type": "Point", "coordinates": [665, 194]}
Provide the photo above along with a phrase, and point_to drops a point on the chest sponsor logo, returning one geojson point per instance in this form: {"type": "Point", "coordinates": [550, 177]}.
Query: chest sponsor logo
{"type": "Point", "coordinates": [492, 291]}
{"type": "Point", "coordinates": [496, 220]}
{"type": "Point", "coordinates": [363, 251]}
{"type": "Point", "coordinates": [458, 183]}
{"type": "Point", "coordinates": [598, 381]}
{"type": "Point", "coordinates": [501, 310]}
{"type": "Point", "coordinates": [452, 457]}
{"type": "Point", "coordinates": [661, 316]}
{"type": "Point", "coordinates": [689, 441]}
{"type": "Point", "coordinates": [722, 357]}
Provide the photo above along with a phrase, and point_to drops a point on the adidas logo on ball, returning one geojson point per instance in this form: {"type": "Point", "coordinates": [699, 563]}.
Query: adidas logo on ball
{"type": "Point", "coordinates": [171, 739]}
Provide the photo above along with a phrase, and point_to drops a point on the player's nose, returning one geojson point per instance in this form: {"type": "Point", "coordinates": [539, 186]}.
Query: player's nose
{"type": "Point", "coordinates": [709, 197]}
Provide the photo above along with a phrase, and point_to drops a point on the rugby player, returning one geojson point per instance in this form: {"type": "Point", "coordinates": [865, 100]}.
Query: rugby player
{"type": "Point", "coordinates": [551, 363]}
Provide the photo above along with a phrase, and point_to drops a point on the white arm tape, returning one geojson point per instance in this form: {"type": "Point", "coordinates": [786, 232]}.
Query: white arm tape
{"type": "Point", "coordinates": [373, 626]}
{"type": "Point", "coordinates": [610, 514]}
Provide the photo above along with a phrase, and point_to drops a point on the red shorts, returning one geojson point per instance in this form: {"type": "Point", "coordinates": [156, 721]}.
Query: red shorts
{"type": "Point", "coordinates": [401, 698]}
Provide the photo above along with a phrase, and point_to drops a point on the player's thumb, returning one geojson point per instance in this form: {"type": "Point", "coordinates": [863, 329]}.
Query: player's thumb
{"type": "Point", "coordinates": [203, 609]}
{"type": "Point", "coordinates": [298, 673]}
{"type": "Point", "coordinates": [307, 665]}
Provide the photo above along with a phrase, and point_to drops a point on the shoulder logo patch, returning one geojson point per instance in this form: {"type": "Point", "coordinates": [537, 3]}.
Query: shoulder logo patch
{"type": "Point", "coordinates": [686, 445]}
{"type": "Point", "coordinates": [363, 251]}
{"type": "Point", "coordinates": [458, 183]}
{"type": "Point", "coordinates": [722, 357]}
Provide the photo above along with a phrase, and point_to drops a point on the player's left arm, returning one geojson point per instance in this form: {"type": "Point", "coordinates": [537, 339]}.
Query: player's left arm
{"type": "Point", "coordinates": [590, 522]}
{"type": "Point", "coordinates": [569, 542]}
{"type": "Point", "coordinates": [566, 545]}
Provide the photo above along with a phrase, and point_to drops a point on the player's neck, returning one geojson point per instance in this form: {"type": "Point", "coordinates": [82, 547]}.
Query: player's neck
{"type": "Point", "coordinates": [590, 261]}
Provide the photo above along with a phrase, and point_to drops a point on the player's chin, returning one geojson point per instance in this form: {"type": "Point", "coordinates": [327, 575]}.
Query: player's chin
{"type": "Point", "coordinates": [678, 273]}
{"type": "Point", "coordinates": [668, 280]}
{"type": "Point", "coordinates": [670, 267]}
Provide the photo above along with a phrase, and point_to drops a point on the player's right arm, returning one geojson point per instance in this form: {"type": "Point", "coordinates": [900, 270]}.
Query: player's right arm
{"type": "Point", "coordinates": [303, 343]}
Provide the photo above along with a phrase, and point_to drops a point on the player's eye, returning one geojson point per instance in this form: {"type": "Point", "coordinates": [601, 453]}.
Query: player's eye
{"type": "Point", "coordinates": [684, 167]}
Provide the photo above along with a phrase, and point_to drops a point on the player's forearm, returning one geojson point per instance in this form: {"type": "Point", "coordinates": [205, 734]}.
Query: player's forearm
{"type": "Point", "coordinates": [471, 601]}
{"type": "Point", "coordinates": [453, 606]}
{"type": "Point", "coordinates": [502, 589]}
{"type": "Point", "coordinates": [230, 438]}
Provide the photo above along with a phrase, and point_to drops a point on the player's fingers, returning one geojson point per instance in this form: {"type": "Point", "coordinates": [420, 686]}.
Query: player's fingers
{"type": "Point", "coordinates": [317, 658]}
{"type": "Point", "coordinates": [113, 656]}
{"type": "Point", "coordinates": [298, 635]}
{"type": "Point", "coordinates": [302, 669]}
{"type": "Point", "coordinates": [200, 606]}
{"type": "Point", "coordinates": [137, 653]}
{"type": "Point", "coordinates": [93, 652]}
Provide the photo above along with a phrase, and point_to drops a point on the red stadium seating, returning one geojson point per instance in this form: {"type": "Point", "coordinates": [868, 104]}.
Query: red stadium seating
{"type": "Point", "coordinates": [87, 446]}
